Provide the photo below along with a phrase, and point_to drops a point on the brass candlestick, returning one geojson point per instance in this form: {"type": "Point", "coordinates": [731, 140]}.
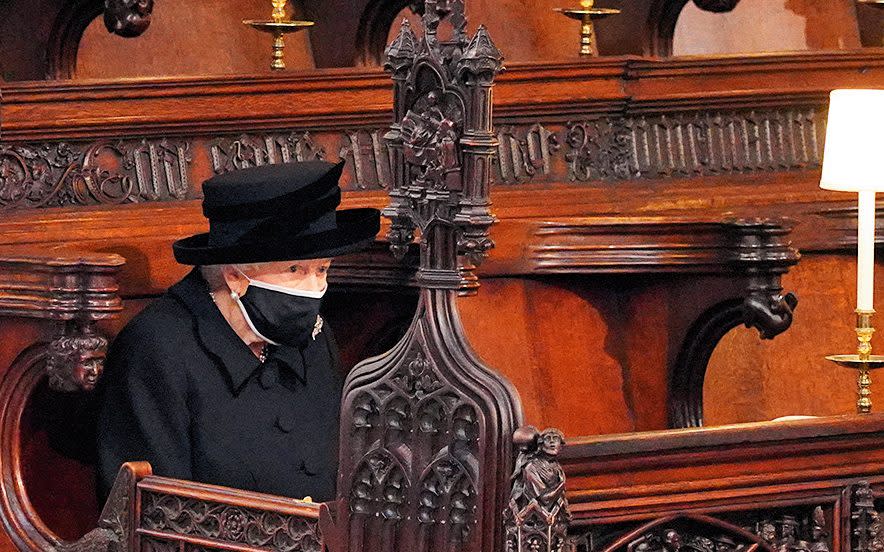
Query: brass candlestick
{"type": "Point", "coordinates": [863, 361]}
{"type": "Point", "coordinates": [279, 26]}
{"type": "Point", "coordinates": [586, 13]}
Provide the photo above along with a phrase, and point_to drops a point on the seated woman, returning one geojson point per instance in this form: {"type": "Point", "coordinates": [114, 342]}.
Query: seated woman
{"type": "Point", "coordinates": [230, 377]}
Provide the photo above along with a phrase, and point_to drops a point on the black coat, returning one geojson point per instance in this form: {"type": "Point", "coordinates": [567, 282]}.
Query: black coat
{"type": "Point", "coordinates": [184, 392]}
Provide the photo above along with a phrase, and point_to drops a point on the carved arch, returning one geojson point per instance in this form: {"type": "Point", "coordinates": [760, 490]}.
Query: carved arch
{"type": "Point", "coordinates": [663, 16]}
{"type": "Point", "coordinates": [67, 32]}
{"type": "Point", "coordinates": [766, 310]}
{"type": "Point", "coordinates": [375, 23]}
{"type": "Point", "coordinates": [126, 18]}
{"type": "Point", "coordinates": [20, 518]}
{"type": "Point", "coordinates": [695, 525]}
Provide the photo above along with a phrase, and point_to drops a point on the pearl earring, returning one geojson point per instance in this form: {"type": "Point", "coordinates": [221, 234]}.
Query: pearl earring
{"type": "Point", "coordinates": [234, 295]}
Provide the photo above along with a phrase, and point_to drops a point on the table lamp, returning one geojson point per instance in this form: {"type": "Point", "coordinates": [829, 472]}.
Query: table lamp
{"type": "Point", "coordinates": [853, 161]}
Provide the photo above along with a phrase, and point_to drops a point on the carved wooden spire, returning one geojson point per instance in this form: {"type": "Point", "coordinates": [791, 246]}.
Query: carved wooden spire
{"type": "Point", "coordinates": [425, 432]}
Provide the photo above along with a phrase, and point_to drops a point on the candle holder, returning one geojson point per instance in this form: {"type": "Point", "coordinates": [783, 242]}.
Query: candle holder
{"type": "Point", "coordinates": [586, 14]}
{"type": "Point", "coordinates": [278, 26]}
{"type": "Point", "coordinates": [863, 361]}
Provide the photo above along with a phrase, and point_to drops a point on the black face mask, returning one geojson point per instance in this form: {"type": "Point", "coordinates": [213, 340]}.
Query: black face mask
{"type": "Point", "coordinates": [281, 315]}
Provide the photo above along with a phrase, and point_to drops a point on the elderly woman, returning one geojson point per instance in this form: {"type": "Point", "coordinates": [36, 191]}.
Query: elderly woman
{"type": "Point", "coordinates": [230, 378]}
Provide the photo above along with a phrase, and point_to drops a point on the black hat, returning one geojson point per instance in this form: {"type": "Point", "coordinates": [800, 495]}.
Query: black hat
{"type": "Point", "coordinates": [279, 212]}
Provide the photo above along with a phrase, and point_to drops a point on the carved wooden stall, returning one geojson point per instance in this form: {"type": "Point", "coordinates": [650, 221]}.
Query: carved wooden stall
{"type": "Point", "coordinates": [810, 485]}
{"type": "Point", "coordinates": [595, 169]}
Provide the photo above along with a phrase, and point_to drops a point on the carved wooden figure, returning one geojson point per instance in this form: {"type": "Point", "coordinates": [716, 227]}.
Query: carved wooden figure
{"type": "Point", "coordinates": [537, 517]}
{"type": "Point", "coordinates": [424, 459]}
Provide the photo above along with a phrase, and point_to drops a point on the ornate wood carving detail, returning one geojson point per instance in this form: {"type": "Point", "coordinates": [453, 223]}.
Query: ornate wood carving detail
{"type": "Point", "coordinates": [62, 174]}
{"type": "Point", "coordinates": [525, 150]}
{"type": "Point", "coordinates": [867, 528]}
{"type": "Point", "coordinates": [691, 145]}
{"type": "Point", "coordinates": [610, 149]}
{"type": "Point", "coordinates": [248, 150]}
{"type": "Point", "coordinates": [115, 523]}
{"type": "Point", "coordinates": [537, 516]}
{"type": "Point", "coordinates": [127, 18]}
{"type": "Point", "coordinates": [424, 426]}
{"type": "Point", "coordinates": [171, 517]}
{"type": "Point", "coordinates": [801, 529]}
{"type": "Point", "coordinates": [370, 158]}
{"type": "Point", "coordinates": [76, 358]}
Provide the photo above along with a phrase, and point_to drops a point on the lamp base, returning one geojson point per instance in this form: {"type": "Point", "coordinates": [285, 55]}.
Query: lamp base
{"type": "Point", "coordinates": [863, 361]}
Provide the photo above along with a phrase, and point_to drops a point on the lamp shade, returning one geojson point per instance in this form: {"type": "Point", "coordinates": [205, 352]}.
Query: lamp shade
{"type": "Point", "coordinates": [853, 158]}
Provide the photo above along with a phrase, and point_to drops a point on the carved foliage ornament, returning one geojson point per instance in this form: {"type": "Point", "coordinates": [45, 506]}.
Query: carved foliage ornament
{"type": "Point", "coordinates": [177, 515]}
{"type": "Point", "coordinates": [604, 149]}
{"type": "Point", "coordinates": [62, 174]}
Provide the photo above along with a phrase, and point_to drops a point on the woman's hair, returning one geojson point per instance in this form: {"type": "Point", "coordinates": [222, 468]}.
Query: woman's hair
{"type": "Point", "coordinates": [214, 276]}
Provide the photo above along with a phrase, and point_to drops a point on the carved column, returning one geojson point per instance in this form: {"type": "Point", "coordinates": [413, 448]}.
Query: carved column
{"type": "Point", "coordinates": [425, 429]}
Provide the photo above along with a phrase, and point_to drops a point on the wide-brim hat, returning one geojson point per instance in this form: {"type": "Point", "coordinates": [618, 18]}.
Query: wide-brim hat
{"type": "Point", "coordinates": [279, 212]}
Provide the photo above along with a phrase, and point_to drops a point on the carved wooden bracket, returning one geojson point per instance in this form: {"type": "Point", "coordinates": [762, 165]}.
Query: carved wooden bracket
{"type": "Point", "coordinates": [537, 515]}
{"type": "Point", "coordinates": [127, 18]}
{"type": "Point", "coordinates": [75, 291]}
{"type": "Point", "coordinates": [762, 254]}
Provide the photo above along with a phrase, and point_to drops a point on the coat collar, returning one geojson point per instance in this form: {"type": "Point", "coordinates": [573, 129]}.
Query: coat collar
{"type": "Point", "coordinates": [220, 340]}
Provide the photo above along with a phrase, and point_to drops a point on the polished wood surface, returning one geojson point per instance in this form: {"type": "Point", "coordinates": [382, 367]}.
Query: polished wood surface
{"type": "Point", "coordinates": [605, 265]}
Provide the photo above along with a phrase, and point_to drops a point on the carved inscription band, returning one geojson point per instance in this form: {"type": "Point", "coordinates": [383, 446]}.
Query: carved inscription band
{"type": "Point", "coordinates": [606, 149]}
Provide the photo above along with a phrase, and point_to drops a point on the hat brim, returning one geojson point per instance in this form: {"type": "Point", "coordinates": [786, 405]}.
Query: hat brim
{"type": "Point", "coordinates": [356, 230]}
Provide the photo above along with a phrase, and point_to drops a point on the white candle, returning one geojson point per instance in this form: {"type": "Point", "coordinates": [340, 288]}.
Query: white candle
{"type": "Point", "coordinates": [865, 250]}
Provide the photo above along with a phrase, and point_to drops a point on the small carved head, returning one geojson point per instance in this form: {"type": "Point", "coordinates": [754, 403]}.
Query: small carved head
{"type": "Point", "coordinates": [768, 532]}
{"type": "Point", "coordinates": [551, 441]}
{"type": "Point", "coordinates": [75, 362]}
{"type": "Point", "coordinates": [672, 540]}
{"type": "Point", "coordinates": [127, 18]}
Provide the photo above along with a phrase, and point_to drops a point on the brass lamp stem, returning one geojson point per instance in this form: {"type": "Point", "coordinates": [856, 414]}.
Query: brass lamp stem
{"type": "Point", "coordinates": [864, 331]}
{"type": "Point", "coordinates": [587, 38]}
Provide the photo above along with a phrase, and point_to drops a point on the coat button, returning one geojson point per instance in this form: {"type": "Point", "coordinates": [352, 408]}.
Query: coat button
{"type": "Point", "coordinates": [285, 423]}
{"type": "Point", "coordinates": [269, 376]}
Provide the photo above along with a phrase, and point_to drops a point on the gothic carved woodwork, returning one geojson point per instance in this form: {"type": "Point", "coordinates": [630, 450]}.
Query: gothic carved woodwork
{"type": "Point", "coordinates": [607, 149]}
{"type": "Point", "coordinates": [867, 527]}
{"type": "Point", "coordinates": [245, 151]}
{"type": "Point", "coordinates": [537, 516]}
{"type": "Point", "coordinates": [802, 529]}
{"type": "Point", "coordinates": [168, 520]}
{"type": "Point", "coordinates": [62, 174]}
{"type": "Point", "coordinates": [69, 292]}
{"type": "Point", "coordinates": [127, 18]}
{"type": "Point", "coordinates": [115, 524]}
{"type": "Point", "coordinates": [423, 464]}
